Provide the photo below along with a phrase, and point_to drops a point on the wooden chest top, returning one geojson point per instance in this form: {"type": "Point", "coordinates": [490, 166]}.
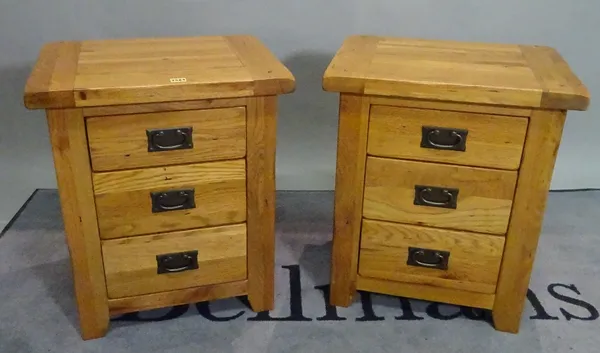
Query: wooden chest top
{"type": "Point", "coordinates": [483, 73]}
{"type": "Point", "coordinates": [128, 71]}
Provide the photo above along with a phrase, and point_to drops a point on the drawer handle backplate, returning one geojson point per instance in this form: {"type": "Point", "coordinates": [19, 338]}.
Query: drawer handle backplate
{"type": "Point", "coordinates": [169, 139]}
{"type": "Point", "coordinates": [441, 138]}
{"type": "Point", "coordinates": [177, 262]}
{"type": "Point", "coordinates": [437, 259]}
{"type": "Point", "coordinates": [172, 200]}
{"type": "Point", "coordinates": [435, 197]}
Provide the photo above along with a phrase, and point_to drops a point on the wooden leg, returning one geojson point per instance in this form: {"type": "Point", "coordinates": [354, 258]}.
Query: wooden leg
{"type": "Point", "coordinates": [71, 161]}
{"type": "Point", "coordinates": [260, 159]}
{"type": "Point", "coordinates": [543, 138]}
{"type": "Point", "coordinates": [349, 186]}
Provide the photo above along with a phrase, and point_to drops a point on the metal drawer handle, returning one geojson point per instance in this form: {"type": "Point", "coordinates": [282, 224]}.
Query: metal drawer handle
{"type": "Point", "coordinates": [437, 259]}
{"type": "Point", "coordinates": [177, 262]}
{"type": "Point", "coordinates": [173, 200]}
{"type": "Point", "coordinates": [435, 196]}
{"type": "Point", "coordinates": [444, 138]}
{"type": "Point", "coordinates": [427, 191]}
{"type": "Point", "coordinates": [169, 139]}
{"type": "Point", "coordinates": [436, 133]}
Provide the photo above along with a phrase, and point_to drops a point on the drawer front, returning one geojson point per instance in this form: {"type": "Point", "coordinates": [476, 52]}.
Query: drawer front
{"type": "Point", "coordinates": [436, 257]}
{"type": "Point", "coordinates": [153, 200]}
{"type": "Point", "coordinates": [439, 195]}
{"type": "Point", "coordinates": [166, 138]}
{"type": "Point", "coordinates": [444, 136]}
{"type": "Point", "coordinates": [170, 261]}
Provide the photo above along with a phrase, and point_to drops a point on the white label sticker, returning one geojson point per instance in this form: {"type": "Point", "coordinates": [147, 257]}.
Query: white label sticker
{"type": "Point", "coordinates": [178, 80]}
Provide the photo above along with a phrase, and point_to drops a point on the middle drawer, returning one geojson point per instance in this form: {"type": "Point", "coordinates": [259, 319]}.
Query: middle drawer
{"type": "Point", "coordinates": [154, 200]}
{"type": "Point", "coordinates": [439, 195]}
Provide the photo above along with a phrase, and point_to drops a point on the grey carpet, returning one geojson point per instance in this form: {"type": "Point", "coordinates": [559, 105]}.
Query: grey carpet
{"type": "Point", "coordinates": [38, 314]}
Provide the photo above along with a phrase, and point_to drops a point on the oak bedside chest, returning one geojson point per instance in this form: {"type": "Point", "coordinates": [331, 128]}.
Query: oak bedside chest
{"type": "Point", "coordinates": [445, 155]}
{"type": "Point", "coordinates": [164, 151]}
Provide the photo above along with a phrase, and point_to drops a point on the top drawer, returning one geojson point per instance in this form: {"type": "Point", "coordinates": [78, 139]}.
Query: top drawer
{"type": "Point", "coordinates": [449, 137]}
{"type": "Point", "coordinates": [166, 138]}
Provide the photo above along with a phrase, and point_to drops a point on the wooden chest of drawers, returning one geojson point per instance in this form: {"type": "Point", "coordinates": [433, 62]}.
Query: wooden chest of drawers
{"type": "Point", "coordinates": [445, 155]}
{"type": "Point", "coordinates": [164, 152]}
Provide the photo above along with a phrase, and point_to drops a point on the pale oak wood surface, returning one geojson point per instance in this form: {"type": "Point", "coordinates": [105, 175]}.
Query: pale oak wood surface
{"type": "Point", "coordinates": [484, 200]}
{"type": "Point", "coordinates": [131, 265]}
{"type": "Point", "coordinates": [163, 80]}
{"type": "Point", "coordinates": [261, 144]}
{"type": "Point", "coordinates": [163, 106]}
{"type": "Point", "coordinates": [143, 70]}
{"type": "Point", "coordinates": [435, 294]}
{"type": "Point", "coordinates": [483, 73]}
{"type": "Point", "coordinates": [349, 186]}
{"type": "Point", "coordinates": [544, 135]}
{"type": "Point", "coordinates": [67, 133]}
{"type": "Point", "coordinates": [450, 106]}
{"type": "Point", "coordinates": [519, 92]}
{"type": "Point", "coordinates": [140, 70]}
{"type": "Point", "coordinates": [120, 141]}
{"type": "Point", "coordinates": [125, 206]}
{"type": "Point", "coordinates": [50, 84]}
{"type": "Point", "coordinates": [269, 76]}
{"type": "Point", "coordinates": [562, 89]}
{"type": "Point", "coordinates": [473, 264]}
{"type": "Point", "coordinates": [349, 66]}
{"type": "Point", "coordinates": [492, 141]}
{"type": "Point", "coordinates": [177, 297]}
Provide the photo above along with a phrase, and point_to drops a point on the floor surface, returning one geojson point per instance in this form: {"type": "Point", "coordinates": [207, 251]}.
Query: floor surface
{"type": "Point", "coordinates": [38, 313]}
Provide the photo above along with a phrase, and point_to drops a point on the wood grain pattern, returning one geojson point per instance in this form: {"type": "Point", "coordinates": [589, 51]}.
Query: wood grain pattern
{"type": "Point", "coordinates": [544, 135]}
{"type": "Point", "coordinates": [261, 143]}
{"type": "Point", "coordinates": [269, 76]}
{"type": "Point", "coordinates": [177, 297]}
{"type": "Point", "coordinates": [163, 106]}
{"type": "Point", "coordinates": [482, 73]}
{"type": "Point", "coordinates": [450, 106]}
{"type": "Point", "coordinates": [473, 264]}
{"type": "Point", "coordinates": [434, 294]}
{"type": "Point", "coordinates": [125, 207]}
{"type": "Point", "coordinates": [349, 185]}
{"type": "Point", "coordinates": [483, 205]}
{"type": "Point", "coordinates": [67, 133]}
{"type": "Point", "coordinates": [141, 70]}
{"type": "Point", "coordinates": [131, 266]}
{"type": "Point", "coordinates": [120, 141]}
{"type": "Point", "coordinates": [50, 84]}
{"type": "Point", "coordinates": [349, 65]}
{"type": "Point", "coordinates": [562, 89]}
{"type": "Point", "coordinates": [492, 141]}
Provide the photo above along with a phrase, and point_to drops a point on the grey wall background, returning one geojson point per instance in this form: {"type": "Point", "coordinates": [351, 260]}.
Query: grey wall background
{"type": "Point", "coordinates": [304, 34]}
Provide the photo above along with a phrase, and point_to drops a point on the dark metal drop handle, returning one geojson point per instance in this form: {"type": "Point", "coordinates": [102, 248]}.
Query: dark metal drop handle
{"type": "Point", "coordinates": [161, 134]}
{"type": "Point", "coordinates": [167, 198]}
{"type": "Point", "coordinates": [186, 258]}
{"type": "Point", "coordinates": [433, 196]}
{"type": "Point", "coordinates": [436, 133]}
{"type": "Point", "coordinates": [442, 138]}
{"type": "Point", "coordinates": [425, 193]}
{"type": "Point", "coordinates": [177, 262]}
{"type": "Point", "coordinates": [418, 257]}
{"type": "Point", "coordinates": [437, 259]}
{"type": "Point", "coordinates": [169, 139]}
{"type": "Point", "coordinates": [173, 200]}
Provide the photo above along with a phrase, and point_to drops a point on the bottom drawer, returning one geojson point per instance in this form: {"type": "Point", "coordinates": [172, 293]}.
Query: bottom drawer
{"type": "Point", "coordinates": [169, 261]}
{"type": "Point", "coordinates": [436, 257]}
